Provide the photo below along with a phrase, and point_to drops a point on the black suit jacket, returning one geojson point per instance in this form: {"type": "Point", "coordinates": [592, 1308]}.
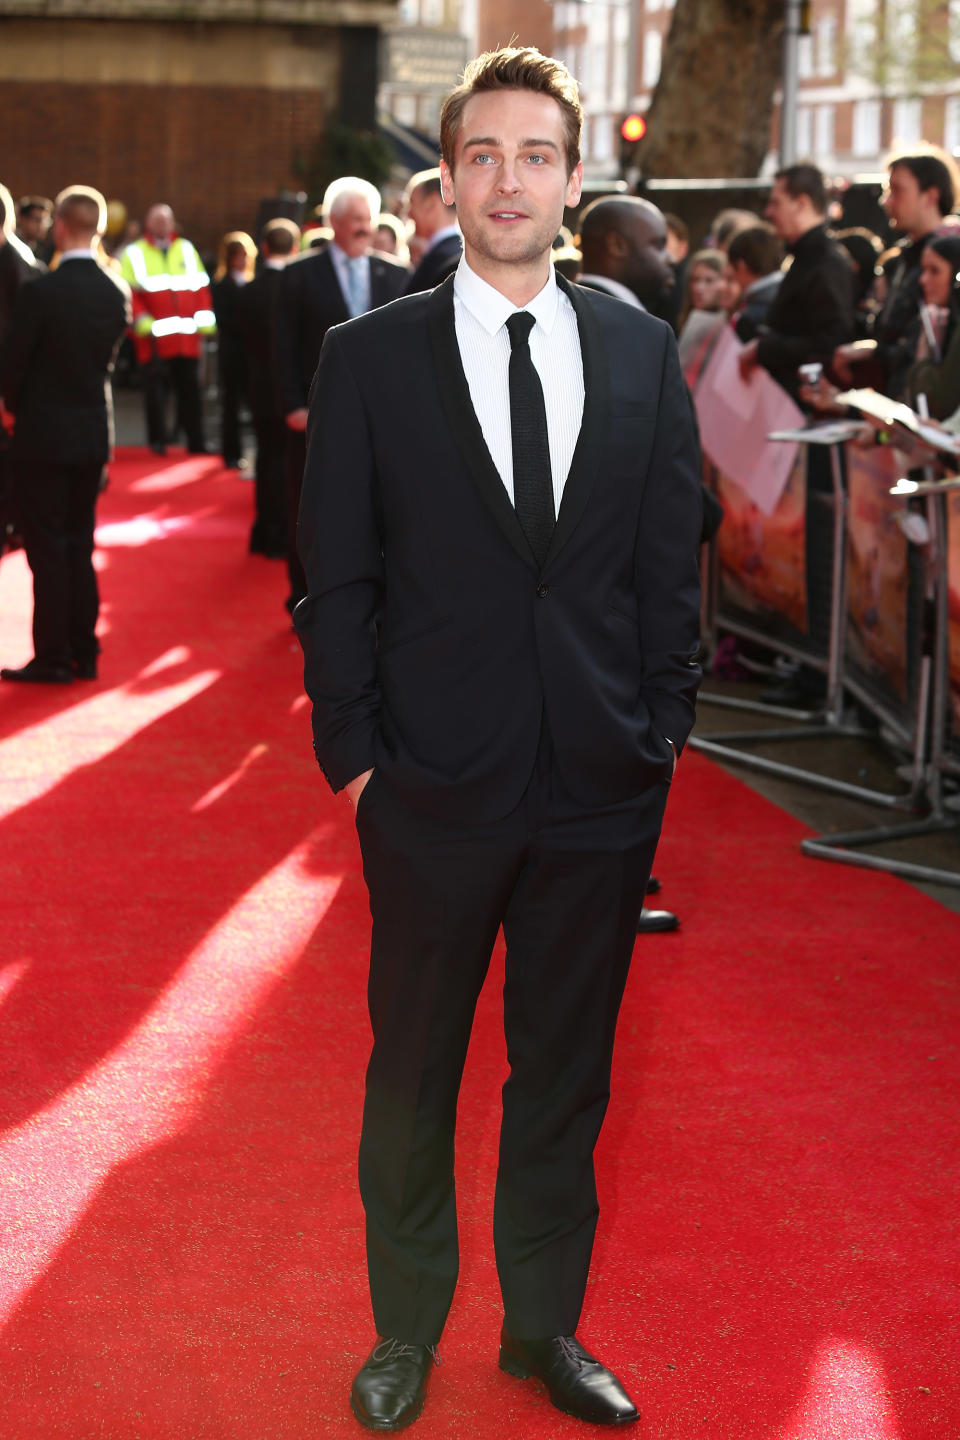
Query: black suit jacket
{"type": "Point", "coordinates": [436, 265]}
{"type": "Point", "coordinates": [59, 352]}
{"type": "Point", "coordinates": [432, 643]}
{"type": "Point", "coordinates": [257, 313]}
{"type": "Point", "coordinates": [310, 302]}
{"type": "Point", "coordinates": [813, 310]}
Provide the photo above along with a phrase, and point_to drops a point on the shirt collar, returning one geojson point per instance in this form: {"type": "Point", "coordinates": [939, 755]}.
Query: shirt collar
{"type": "Point", "coordinates": [438, 237]}
{"type": "Point", "coordinates": [79, 253]}
{"type": "Point", "coordinates": [616, 288]}
{"type": "Point", "coordinates": [492, 309]}
{"type": "Point", "coordinates": [341, 256]}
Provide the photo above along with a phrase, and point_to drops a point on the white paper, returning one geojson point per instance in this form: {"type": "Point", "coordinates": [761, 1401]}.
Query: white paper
{"type": "Point", "coordinates": [735, 437]}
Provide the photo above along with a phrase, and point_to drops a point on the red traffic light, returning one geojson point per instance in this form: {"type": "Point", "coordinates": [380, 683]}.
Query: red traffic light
{"type": "Point", "coordinates": [633, 128]}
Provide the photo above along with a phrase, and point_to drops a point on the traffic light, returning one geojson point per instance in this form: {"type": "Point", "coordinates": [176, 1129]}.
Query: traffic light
{"type": "Point", "coordinates": [633, 127]}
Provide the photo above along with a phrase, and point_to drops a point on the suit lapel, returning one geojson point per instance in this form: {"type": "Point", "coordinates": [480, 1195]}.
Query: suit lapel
{"type": "Point", "coordinates": [455, 394]}
{"type": "Point", "coordinates": [462, 418]}
{"type": "Point", "coordinates": [326, 272]}
{"type": "Point", "coordinates": [596, 409]}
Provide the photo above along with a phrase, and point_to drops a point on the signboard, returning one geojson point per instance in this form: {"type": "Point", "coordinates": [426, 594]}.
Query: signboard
{"type": "Point", "coordinates": [763, 557]}
{"type": "Point", "coordinates": [877, 571]}
{"type": "Point", "coordinates": [953, 600]}
{"type": "Point", "coordinates": [423, 59]}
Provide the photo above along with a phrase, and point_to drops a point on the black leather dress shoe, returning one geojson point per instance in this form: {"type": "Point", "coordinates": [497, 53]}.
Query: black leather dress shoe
{"type": "Point", "coordinates": [653, 886]}
{"type": "Point", "coordinates": [390, 1387]}
{"type": "Point", "coordinates": [86, 669]}
{"type": "Point", "coordinates": [654, 922]}
{"type": "Point", "coordinates": [37, 672]}
{"type": "Point", "coordinates": [576, 1382]}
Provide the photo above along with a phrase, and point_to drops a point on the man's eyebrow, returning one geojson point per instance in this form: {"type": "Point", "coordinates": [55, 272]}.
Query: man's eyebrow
{"type": "Point", "coordinates": [523, 145]}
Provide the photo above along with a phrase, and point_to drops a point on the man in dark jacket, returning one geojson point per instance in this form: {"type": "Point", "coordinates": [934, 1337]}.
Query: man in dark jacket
{"type": "Point", "coordinates": [813, 311]}
{"type": "Point", "coordinates": [55, 379]}
{"type": "Point", "coordinates": [435, 224]}
{"type": "Point", "coordinates": [257, 312]}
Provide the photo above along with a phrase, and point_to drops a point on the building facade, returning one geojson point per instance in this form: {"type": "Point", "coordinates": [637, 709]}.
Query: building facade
{"type": "Point", "coordinates": [208, 106]}
{"type": "Point", "coordinates": [873, 73]}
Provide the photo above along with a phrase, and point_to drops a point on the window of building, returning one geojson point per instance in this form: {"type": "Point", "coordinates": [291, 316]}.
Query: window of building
{"type": "Point", "coordinates": [951, 123]}
{"type": "Point", "coordinates": [866, 127]}
{"type": "Point", "coordinates": [804, 132]}
{"type": "Point", "coordinates": [621, 75]}
{"type": "Point", "coordinates": [602, 137]}
{"type": "Point", "coordinates": [805, 57]}
{"type": "Point", "coordinates": [953, 20]}
{"type": "Point", "coordinates": [908, 119]}
{"type": "Point", "coordinates": [431, 12]}
{"type": "Point", "coordinates": [823, 135]}
{"type": "Point", "coordinates": [404, 109]}
{"type": "Point", "coordinates": [652, 48]}
{"type": "Point", "coordinates": [409, 14]}
{"type": "Point", "coordinates": [827, 45]}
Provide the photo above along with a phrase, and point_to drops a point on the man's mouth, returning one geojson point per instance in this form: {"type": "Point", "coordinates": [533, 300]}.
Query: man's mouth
{"type": "Point", "coordinates": [508, 215]}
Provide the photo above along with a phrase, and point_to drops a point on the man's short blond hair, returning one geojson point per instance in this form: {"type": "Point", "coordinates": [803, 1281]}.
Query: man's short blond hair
{"type": "Point", "coordinates": [515, 68]}
{"type": "Point", "coordinates": [82, 209]}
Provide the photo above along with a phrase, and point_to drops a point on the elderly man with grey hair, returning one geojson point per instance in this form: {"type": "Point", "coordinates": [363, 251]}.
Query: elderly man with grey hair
{"type": "Point", "coordinates": [317, 291]}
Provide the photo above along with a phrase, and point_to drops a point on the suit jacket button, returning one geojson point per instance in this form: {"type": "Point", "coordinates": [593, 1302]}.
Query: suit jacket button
{"type": "Point", "coordinates": [543, 591]}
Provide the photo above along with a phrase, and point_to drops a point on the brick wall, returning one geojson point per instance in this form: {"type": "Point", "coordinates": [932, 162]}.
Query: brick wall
{"type": "Point", "coordinates": [210, 153]}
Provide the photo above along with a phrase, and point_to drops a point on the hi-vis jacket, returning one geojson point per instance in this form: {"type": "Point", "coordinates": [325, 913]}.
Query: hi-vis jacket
{"type": "Point", "coordinates": [172, 307]}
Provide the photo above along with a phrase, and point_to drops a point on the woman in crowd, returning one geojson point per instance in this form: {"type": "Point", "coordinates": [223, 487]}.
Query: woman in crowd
{"type": "Point", "coordinates": [935, 371]}
{"type": "Point", "coordinates": [236, 263]}
{"type": "Point", "coordinates": [704, 303]}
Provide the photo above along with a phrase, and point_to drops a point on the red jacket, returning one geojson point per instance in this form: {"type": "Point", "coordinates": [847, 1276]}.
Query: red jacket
{"type": "Point", "coordinates": [172, 307]}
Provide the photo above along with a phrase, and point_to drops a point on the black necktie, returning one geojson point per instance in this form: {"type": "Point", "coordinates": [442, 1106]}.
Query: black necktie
{"type": "Point", "coordinates": [532, 481]}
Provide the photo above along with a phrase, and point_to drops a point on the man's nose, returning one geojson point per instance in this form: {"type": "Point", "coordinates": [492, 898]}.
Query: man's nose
{"type": "Point", "coordinates": [509, 180]}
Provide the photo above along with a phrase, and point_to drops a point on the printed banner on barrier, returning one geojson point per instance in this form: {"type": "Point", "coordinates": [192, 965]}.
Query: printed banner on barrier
{"type": "Point", "coordinates": [763, 558]}
{"type": "Point", "coordinates": [877, 570]}
{"type": "Point", "coordinates": [953, 595]}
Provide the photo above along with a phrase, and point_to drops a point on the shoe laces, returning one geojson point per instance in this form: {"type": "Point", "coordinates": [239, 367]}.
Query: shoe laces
{"type": "Point", "coordinates": [570, 1350]}
{"type": "Point", "coordinates": [396, 1349]}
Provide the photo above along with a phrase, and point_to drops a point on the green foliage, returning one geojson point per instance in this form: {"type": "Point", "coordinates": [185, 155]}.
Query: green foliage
{"type": "Point", "coordinates": [344, 150]}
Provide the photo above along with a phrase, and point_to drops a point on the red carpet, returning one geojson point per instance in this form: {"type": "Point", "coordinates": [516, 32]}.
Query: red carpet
{"type": "Point", "coordinates": [184, 1035]}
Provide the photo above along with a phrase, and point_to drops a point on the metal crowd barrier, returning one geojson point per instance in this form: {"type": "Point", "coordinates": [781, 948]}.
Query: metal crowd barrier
{"type": "Point", "coordinates": [822, 644]}
{"type": "Point", "coordinates": [942, 513]}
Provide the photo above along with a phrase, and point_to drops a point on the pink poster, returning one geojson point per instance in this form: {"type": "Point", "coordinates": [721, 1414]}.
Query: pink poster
{"type": "Point", "coordinates": [876, 570]}
{"type": "Point", "coordinates": [953, 600]}
{"type": "Point", "coordinates": [763, 558]}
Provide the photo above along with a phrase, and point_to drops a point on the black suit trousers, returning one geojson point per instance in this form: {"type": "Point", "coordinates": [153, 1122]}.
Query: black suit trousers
{"type": "Point", "coordinates": [56, 505]}
{"type": "Point", "coordinates": [567, 886]}
{"type": "Point", "coordinates": [270, 521]}
{"type": "Point", "coordinates": [294, 460]}
{"type": "Point", "coordinates": [182, 373]}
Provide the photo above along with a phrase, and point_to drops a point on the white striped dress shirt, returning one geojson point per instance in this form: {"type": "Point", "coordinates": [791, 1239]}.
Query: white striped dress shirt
{"type": "Point", "coordinates": [480, 314]}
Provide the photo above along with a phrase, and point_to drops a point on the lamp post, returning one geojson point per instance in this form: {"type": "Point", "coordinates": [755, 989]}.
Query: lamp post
{"type": "Point", "coordinates": [788, 101]}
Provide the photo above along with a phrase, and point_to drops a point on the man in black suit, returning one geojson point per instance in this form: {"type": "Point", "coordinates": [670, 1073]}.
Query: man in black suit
{"type": "Point", "coordinates": [317, 291]}
{"type": "Point", "coordinates": [435, 225]}
{"type": "Point", "coordinates": [55, 378]}
{"type": "Point", "coordinates": [499, 526]}
{"type": "Point", "coordinates": [257, 312]}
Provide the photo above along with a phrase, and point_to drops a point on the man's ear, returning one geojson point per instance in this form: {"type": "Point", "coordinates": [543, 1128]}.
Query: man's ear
{"type": "Point", "coordinates": [446, 184]}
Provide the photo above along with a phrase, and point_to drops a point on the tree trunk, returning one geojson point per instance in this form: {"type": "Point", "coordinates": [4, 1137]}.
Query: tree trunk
{"type": "Point", "coordinates": [710, 114]}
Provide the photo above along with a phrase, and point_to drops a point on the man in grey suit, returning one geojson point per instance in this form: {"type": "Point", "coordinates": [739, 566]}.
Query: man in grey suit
{"type": "Point", "coordinates": [318, 290]}
{"type": "Point", "coordinates": [55, 379]}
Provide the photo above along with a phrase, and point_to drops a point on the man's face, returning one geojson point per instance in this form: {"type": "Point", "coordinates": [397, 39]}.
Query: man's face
{"type": "Point", "coordinates": [785, 212]}
{"type": "Point", "coordinates": [352, 225]}
{"type": "Point", "coordinates": [34, 225]}
{"type": "Point", "coordinates": [510, 180]}
{"type": "Point", "coordinates": [421, 209]}
{"type": "Point", "coordinates": [905, 202]}
{"type": "Point", "coordinates": [645, 268]}
{"type": "Point", "coordinates": [160, 222]}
